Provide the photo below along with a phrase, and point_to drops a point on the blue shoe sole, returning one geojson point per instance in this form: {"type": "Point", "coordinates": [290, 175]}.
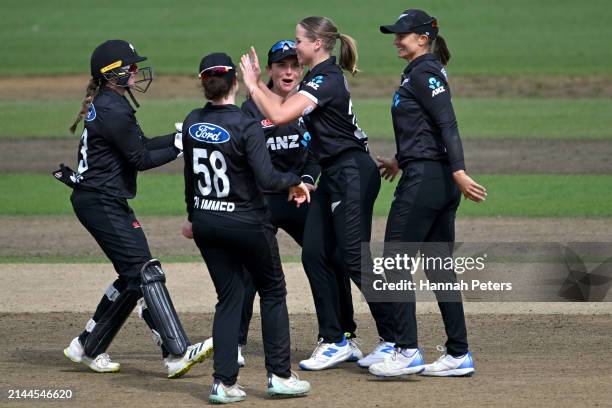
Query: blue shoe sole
{"type": "Point", "coordinates": [449, 376]}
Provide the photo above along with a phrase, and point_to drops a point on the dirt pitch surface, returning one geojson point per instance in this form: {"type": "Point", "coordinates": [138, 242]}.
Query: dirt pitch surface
{"type": "Point", "coordinates": [521, 360]}
{"type": "Point", "coordinates": [366, 85]}
{"type": "Point", "coordinates": [39, 236]}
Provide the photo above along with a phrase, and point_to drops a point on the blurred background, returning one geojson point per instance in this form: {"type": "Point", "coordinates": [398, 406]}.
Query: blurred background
{"type": "Point", "coordinates": [531, 83]}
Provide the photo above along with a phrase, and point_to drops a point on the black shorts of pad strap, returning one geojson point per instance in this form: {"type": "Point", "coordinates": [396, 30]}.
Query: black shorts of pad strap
{"type": "Point", "coordinates": [340, 219]}
{"type": "Point", "coordinates": [423, 211]}
{"type": "Point", "coordinates": [231, 247]}
{"type": "Point", "coordinates": [291, 219]}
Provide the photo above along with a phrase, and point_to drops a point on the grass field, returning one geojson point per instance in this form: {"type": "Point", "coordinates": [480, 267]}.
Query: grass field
{"type": "Point", "coordinates": [524, 37]}
{"type": "Point", "coordinates": [478, 118]}
{"type": "Point", "coordinates": [509, 195]}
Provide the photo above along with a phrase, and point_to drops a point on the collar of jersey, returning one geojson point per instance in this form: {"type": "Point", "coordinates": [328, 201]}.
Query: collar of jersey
{"type": "Point", "coordinates": [419, 60]}
{"type": "Point", "coordinates": [116, 96]}
{"type": "Point", "coordinates": [321, 66]}
{"type": "Point", "coordinates": [228, 107]}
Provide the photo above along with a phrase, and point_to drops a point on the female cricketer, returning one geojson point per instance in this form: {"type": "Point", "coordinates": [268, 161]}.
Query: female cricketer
{"type": "Point", "coordinates": [112, 150]}
{"type": "Point", "coordinates": [430, 155]}
{"type": "Point", "coordinates": [340, 214]}
{"type": "Point", "coordinates": [288, 145]}
{"type": "Point", "coordinates": [226, 164]}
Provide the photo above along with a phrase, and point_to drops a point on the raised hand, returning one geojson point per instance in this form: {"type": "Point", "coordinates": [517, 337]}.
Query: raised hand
{"type": "Point", "coordinates": [255, 63]}
{"type": "Point", "coordinates": [251, 72]}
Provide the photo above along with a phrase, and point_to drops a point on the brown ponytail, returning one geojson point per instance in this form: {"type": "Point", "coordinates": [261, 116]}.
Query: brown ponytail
{"type": "Point", "coordinates": [440, 50]}
{"type": "Point", "coordinates": [93, 87]}
{"type": "Point", "coordinates": [323, 28]}
{"type": "Point", "coordinates": [348, 53]}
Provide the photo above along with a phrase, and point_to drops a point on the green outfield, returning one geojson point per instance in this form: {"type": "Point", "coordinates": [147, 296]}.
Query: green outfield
{"type": "Point", "coordinates": [478, 117]}
{"type": "Point", "coordinates": [548, 37]}
{"type": "Point", "coordinates": [499, 48]}
{"type": "Point", "coordinates": [509, 195]}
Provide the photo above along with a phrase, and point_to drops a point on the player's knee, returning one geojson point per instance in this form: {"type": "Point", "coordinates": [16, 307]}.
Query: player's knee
{"type": "Point", "coordinates": [312, 255]}
{"type": "Point", "coordinates": [276, 290]}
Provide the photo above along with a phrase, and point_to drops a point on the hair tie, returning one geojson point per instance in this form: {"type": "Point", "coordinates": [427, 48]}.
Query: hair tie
{"type": "Point", "coordinates": [338, 34]}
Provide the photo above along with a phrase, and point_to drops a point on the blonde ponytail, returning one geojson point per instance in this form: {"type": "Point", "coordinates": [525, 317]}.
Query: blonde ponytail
{"type": "Point", "coordinates": [348, 53]}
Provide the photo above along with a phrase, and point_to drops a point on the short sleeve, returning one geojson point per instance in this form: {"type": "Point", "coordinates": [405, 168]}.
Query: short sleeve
{"type": "Point", "coordinates": [320, 89]}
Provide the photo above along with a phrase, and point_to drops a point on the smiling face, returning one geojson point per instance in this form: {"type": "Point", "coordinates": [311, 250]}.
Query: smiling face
{"type": "Point", "coordinates": [285, 75]}
{"type": "Point", "coordinates": [410, 45]}
{"type": "Point", "coordinates": [306, 48]}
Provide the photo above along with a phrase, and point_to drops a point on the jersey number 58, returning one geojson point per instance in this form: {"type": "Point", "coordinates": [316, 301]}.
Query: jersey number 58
{"type": "Point", "coordinates": [216, 161]}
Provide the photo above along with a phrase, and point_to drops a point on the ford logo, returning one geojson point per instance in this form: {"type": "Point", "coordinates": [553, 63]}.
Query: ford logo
{"type": "Point", "coordinates": [208, 133]}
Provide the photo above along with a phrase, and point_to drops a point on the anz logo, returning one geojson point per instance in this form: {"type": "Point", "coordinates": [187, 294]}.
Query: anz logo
{"type": "Point", "coordinates": [208, 133]}
{"type": "Point", "coordinates": [436, 86]}
{"type": "Point", "coordinates": [283, 142]}
{"type": "Point", "coordinates": [315, 82]}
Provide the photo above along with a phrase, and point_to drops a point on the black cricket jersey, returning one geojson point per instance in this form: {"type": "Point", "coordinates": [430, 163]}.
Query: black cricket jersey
{"type": "Point", "coordinates": [287, 145]}
{"type": "Point", "coordinates": [226, 162]}
{"type": "Point", "coordinates": [332, 124]}
{"type": "Point", "coordinates": [424, 121]}
{"type": "Point", "coordinates": [113, 148]}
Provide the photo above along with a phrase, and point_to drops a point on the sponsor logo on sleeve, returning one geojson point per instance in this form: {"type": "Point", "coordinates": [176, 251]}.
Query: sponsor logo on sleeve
{"type": "Point", "coordinates": [436, 86]}
{"type": "Point", "coordinates": [208, 133]}
{"type": "Point", "coordinates": [315, 82]}
{"type": "Point", "coordinates": [396, 99]}
{"type": "Point", "coordinates": [267, 123]}
{"type": "Point", "coordinates": [91, 113]}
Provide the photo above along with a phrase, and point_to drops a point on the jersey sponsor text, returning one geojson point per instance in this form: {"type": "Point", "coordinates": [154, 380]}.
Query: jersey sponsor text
{"type": "Point", "coordinates": [213, 205]}
{"type": "Point", "coordinates": [283, 142]}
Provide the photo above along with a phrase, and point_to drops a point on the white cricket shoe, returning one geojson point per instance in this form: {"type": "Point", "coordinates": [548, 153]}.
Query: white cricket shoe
{"type": "Point", "coordinates": [101, 364]}
{"type": "Point", "coordinates": [382, 350]}
{"type": "Point", "coordinates": [356, 353]}
{"type": "Point", "coordinates": [327, 355]}
{"type": "Point", "coordinates": [287, 387]}
{"type": "Point", "coordinates": [449, 366]}
{"type": "Point", "coordinates": [240, 356]}
{"type": "Point", "coordinates": [223, 394]}
{"type": "Point", "coordinates": [401, 362]}
{"type": "Point", "coordinates": [75, 351]}
{"type": "Point", "coordinates": [196, 353]}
